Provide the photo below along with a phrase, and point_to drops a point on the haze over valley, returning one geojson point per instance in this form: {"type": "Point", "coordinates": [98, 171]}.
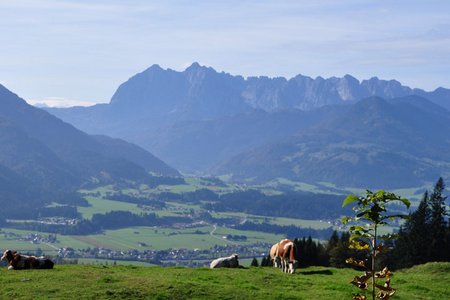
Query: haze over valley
{"type": "Point", "coordinates": [294, 141]}
{"type": "Point", "coordinates": [337, 130]}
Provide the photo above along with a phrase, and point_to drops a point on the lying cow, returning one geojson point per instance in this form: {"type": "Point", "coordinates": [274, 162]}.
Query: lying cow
{"type": "Point", "coordinates": [18, 261]}
{"type": "Point", "coordinates": [225, 262]}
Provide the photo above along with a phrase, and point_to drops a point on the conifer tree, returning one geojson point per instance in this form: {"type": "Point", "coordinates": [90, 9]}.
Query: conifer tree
{"type": "Point", "coordinates": [438, 226]}
{"type": "Point", "coordinates": [339, 253]}
{"type": "Point", "coordinates": [447, 242]}
{"type": "Point", "coordinates": [425, 236]}
{"type": "Point", "coordinates": [269, 262]}
{"type": "Point", "coordinates": [401, 254]}
{"type": "Point", "coordinates": [264, 261]}
{"type": "Point", "coordinates": [333, 241]}
{"type": "Point", "coordinates": [254, 262]}
{"type": "Point", "coordinates": [418, 234]}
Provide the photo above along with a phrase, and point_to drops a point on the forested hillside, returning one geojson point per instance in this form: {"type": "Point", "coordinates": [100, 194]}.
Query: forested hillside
{"type": "Point", "coordinates": [44, 160]}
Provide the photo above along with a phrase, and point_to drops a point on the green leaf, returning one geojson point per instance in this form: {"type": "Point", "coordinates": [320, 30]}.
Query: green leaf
{"type": "Point", "coordinates": [354, 236]}
{"type": "Point", "coordinates": [359, 245]}
{"type": "Point", "coordinates": [380, 193]}
{"type": "Point", "coordinates": [350, 199]}
{"type": "Point", "coordinates": [406, 202]}
{"type": "Point", "coordinates": [345, 220]}
{"type": "Point", "coordinates": [357, 228]}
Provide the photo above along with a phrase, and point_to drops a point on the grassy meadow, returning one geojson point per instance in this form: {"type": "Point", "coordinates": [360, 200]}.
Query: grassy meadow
{"type": "Point", "coordinates": [159, 239]}
{"type": "Point", "coordinates": [428, 281]}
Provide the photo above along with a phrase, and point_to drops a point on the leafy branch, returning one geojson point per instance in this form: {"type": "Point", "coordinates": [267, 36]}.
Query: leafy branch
{"type": "Point", "coordinates": [370, 213]}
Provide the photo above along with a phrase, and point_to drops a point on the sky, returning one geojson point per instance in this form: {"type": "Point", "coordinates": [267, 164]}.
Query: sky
{"type": "Point", "coordinates": [66, 53]}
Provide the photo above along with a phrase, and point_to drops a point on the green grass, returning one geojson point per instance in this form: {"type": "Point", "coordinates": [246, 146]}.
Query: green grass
{"type": "Point", "coordinates": [101, 206]}
{"type": "Point", "coordinates": [131, 282]}
{"type": "Point", "coordinates": [109, 262]}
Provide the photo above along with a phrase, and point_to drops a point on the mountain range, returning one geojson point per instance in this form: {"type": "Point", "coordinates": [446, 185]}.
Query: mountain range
{"type": "Point", "coordinates": [259, 128]}
{"type": "Point", "coordinates": [44, 159]}
{"type": "Point", "coordinates": [374, 143]}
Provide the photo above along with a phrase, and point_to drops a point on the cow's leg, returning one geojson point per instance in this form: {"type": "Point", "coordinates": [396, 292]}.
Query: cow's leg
{"type": "Point", "coordinates": [291, 267]}
{"type": "Point", "coordinates": [10, 268]}
{"type": "Point", "coordinates": [285, 265]}
{"type": "Point", "coordinates": [276, 262]}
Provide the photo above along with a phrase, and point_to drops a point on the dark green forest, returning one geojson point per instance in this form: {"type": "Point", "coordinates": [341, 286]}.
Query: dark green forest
{"type": "Point", "coordinates": [424, 237]}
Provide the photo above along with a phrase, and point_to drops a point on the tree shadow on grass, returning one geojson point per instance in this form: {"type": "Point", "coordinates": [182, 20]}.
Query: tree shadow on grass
{"type": "Point", "coordinates": [321, 272]}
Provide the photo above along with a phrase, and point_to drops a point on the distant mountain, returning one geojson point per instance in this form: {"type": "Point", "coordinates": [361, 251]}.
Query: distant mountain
{"type": "Point", "coordinates": [198, 119]}
{"type": "Point", "coordinates": [374, 143]}
{"type": "Point", "coordinates": [40, 153]}
{"type": "Point", "coordinates": [200, 145]}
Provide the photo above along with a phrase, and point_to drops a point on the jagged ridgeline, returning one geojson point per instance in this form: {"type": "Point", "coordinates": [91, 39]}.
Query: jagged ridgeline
{"type": "Point", "coordinates": [370, 133]}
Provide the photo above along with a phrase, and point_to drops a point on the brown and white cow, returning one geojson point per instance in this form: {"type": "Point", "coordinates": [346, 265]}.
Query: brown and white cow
{"type": "Point", "coordinates": [276, 260]}
{"type": "Point", "coordinates": [18, 261]}
{"type": "Point", "coordinates": [287, 252]}
{"type": "Point", "coordinates": [225, 262]}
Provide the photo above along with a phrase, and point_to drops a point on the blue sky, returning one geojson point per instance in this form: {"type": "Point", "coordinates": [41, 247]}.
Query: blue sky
{"type": "Point", "coordinates": [78, 52]}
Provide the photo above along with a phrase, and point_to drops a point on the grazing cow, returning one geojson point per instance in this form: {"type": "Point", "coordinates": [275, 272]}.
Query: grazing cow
{"type": "Point", "coordinates": [18, 261]}
{"type": "Point", "coordinates": [287, 252]}
{"type": "Point", "coordinates": [276, 260]}
{"type": "Point", "coordinates": [225, 262]}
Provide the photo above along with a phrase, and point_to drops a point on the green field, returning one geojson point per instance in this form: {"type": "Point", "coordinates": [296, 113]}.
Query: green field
{"type": "Point", "coordinates": [165, 238]}
{"type": "Point", "coordinates": [428, 281]}
{"type": "Point", "coordinates": [101, 206]}
{"type": "Point", "coordinates": [131, 237]}
{"type": "Point", "coordinates": [16, 242]}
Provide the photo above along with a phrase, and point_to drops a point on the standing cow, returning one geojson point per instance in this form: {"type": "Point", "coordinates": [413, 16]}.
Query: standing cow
{"type": "Point", "coordinates": [276, 260]}
{"type": "Point", "coordinates": [225, 262]}
{"type": "Point", "coordinates": [286, 251]}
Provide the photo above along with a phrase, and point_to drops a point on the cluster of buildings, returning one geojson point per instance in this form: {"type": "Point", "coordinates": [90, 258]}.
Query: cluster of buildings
{"type": "Point", "coordinates": [168, 257]}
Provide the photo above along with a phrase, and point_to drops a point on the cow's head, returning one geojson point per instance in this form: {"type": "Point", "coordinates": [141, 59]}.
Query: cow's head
{"type": "Point", "coordinates": [7, 256]}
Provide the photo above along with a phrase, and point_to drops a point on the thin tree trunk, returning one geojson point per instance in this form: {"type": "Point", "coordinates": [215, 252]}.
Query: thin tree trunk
{"type": "Point", "coordinates": [374, 251]}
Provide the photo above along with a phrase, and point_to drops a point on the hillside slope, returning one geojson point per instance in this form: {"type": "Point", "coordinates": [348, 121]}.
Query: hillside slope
{"type": "Point", "coordinates": [126, 282]}
{"type": "Point", "coordinates": [47, 159]}
{"type": "Point", "coordinates": [374, 143]}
